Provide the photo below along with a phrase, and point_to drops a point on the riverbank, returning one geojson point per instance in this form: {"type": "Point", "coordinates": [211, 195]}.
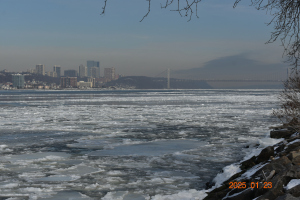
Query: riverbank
{"type": "Point", "coordinates": [274, 174]}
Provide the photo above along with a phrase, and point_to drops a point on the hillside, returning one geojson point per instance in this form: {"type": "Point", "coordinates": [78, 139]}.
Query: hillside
{"type": "Point", "coordinates": [144, 82]}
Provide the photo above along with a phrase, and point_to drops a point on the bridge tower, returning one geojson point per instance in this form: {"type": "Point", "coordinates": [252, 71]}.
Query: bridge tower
{"type": "Point", "coordinates": [168, 78]}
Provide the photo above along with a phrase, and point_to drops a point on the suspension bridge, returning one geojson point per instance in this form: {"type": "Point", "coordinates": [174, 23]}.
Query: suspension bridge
{"type": "Point", "coordinates": [272, 78]}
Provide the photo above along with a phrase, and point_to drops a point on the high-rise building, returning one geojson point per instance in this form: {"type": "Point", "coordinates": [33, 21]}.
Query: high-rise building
{"type": "Point", "coordinates": [90, 64]}
{"type": "Point", "coordinates": [18, 80]}
{"type": "Point", "coordinates": [110, 74]}
{"type": "Point", "coordinates": [97, 64]}
{"type": "Point", "coordinates": [68, 82]}
{"type": "Point", "coordinates": [40, 69]}
{"type": "Point", "coordinates": [52, 74]}
{"type": "Point", "coordinates": [82, 71]}
{"type": "Point", "coordinates": [70, 73]}
{"type": "Point", "coordinates": [57, 69]}
{"type": "Point", "coordinates": [94, 71]}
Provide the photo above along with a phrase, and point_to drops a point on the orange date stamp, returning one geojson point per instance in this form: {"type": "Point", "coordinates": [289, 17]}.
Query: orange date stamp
{"type": "Point", "coordinates": [243, 185]}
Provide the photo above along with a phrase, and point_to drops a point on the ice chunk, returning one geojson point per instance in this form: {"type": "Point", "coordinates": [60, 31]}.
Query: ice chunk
{"type": "Point", "coordinates": [292, 183]}
{"type": "Point", "coordinates": [228, 171]}
{"type": "Point", "coordinates": [297, 140]}
{"type": "Point", "coordinates": [4, 148]}
{"type": "Point", "coordinates": [10, 185]}
{"type": "Point", "coordinates": [183, 195]}
{"type": "Point", "coordinates": [156, 148]}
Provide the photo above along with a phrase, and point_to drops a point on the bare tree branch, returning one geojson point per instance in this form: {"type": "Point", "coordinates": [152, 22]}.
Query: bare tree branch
{"type": "Point", "coordinates": [104, 8]}
{"type": "Point", "coordinates": [289, 111]}
{"type": "Point", "coordinates": [148, 10]}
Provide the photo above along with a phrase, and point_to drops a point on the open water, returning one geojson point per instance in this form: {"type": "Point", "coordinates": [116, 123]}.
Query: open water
{"type": "Point", "coordinates": [127, 145]}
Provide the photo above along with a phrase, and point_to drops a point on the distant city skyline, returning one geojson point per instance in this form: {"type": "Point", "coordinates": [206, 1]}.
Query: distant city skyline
{"type": "Point", "coordinates": [93, 72]}
{"type": "Point", "coordinates": [52, 32]}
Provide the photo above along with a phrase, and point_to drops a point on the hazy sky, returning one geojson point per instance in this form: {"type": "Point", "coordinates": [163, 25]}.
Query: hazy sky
{"type": "Point", "coordinates": [70, 32]}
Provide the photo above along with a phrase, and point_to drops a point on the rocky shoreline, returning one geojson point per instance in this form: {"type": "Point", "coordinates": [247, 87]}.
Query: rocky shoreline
{"type": "Point", "coordinates": [272, 175]}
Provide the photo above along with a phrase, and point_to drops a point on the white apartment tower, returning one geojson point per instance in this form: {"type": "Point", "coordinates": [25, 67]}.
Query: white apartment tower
{"type": "Point", "coordinates": [40, 69]}
{"type": "Point", "coordinates": [57, 70]}
{"type": "Point", "coordinates": [82, 71]}
{"type": "Point", "coordinates": [90, 64]}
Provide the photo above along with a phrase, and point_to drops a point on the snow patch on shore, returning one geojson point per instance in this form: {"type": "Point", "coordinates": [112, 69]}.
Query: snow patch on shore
{"type": "Point", "coordinates": [228, 171]}
{"type": "Point", "coordinates": [292, 183]}
{"type": "Point", "coordinates": [263, 143]}
{"type": "Point", "coordinates": [234, 168]}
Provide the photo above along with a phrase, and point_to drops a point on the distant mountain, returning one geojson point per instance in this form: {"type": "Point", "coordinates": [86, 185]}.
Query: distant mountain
{"type": "Point", "coordinates": [144, 82]}
{"type": "Point", "coordinates": [234, 67]}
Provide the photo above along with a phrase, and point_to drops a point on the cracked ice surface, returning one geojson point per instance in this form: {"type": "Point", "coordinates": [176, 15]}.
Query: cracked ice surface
{"type": "Point", "coordinates": [125, 144]}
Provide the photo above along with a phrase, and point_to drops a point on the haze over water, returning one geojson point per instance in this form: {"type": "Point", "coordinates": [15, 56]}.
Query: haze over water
{"type": "Point", "coordinates": [70, 32]}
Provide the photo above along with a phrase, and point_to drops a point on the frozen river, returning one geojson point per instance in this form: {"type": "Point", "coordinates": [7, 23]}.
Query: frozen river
{"type": "Point", "coordinates": [139, 144]}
